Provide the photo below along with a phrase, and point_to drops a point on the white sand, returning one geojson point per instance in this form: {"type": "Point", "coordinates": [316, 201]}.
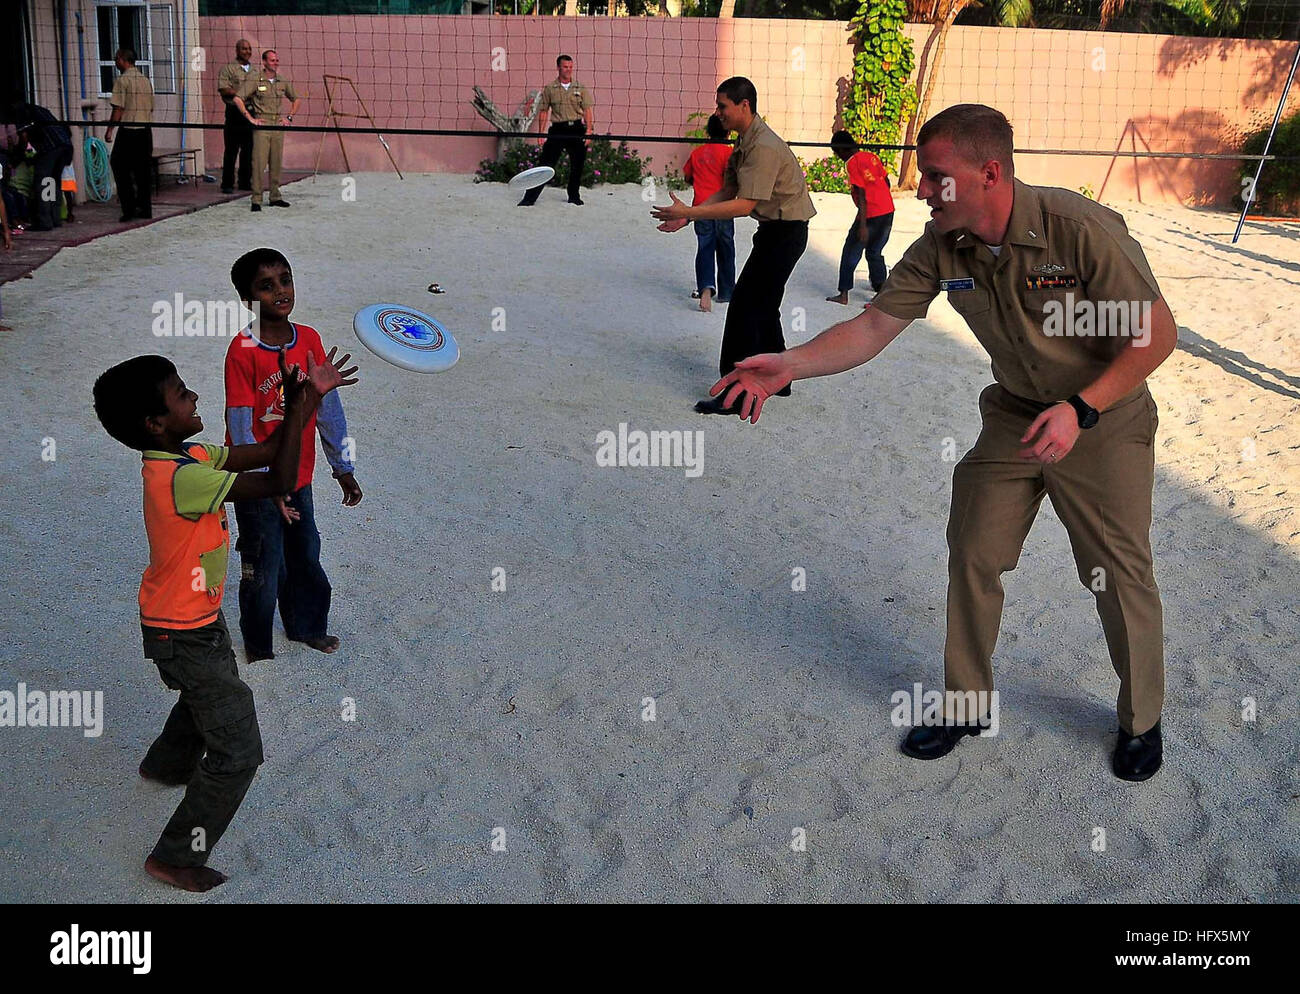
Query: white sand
{"type": "Point", "coordinates": [631, 583]}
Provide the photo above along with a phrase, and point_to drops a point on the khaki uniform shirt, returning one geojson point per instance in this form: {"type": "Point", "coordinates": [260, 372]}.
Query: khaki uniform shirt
{"type": "Point", "coordinates": [763, 168]}
{"type": "Point", "coordinates": [566, 105]}
{"type": "Point", "coordinates": [262, 95]}
{"type": "Point", "coordinates": [134, 94]}
{"type": "Point", "coordinates": [233, 76]}
{"type": "Point", "coordinates": [1061, 250]}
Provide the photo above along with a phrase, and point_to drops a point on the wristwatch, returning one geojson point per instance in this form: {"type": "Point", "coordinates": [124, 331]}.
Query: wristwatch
{"type": "Point", "coordinates": [1088, 416]}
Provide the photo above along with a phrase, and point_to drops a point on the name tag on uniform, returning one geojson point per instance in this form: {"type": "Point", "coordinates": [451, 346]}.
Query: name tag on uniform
{"type": "Point", "coordinates": [1050, 282]}
{"type": "Point", "coordinates": [965, 283]}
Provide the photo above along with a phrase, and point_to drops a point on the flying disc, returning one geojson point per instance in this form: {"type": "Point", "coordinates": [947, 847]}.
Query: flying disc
{"type": "Point", "coordinates": [406, 337]}
{"type": "Point", "coordinates": [529, 178]}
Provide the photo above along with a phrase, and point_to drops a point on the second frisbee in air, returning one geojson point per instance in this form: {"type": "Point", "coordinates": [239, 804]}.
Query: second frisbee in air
{"type": "Point", "coordinates": [529, 178]}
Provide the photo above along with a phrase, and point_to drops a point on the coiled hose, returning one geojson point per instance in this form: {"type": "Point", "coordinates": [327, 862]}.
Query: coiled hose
{"type": "Point", "coordinates": [99, 185]}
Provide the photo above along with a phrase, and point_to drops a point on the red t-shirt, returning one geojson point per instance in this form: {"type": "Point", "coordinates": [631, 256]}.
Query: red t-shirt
{"type": "Point", "coordinates": [867, 172]}
{"type": "Point", "coordinates": [705, 168]}
{"type": "Point", "coordinates": [253, 380]}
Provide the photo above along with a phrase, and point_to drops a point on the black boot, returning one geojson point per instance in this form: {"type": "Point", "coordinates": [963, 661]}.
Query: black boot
{"type": "Point", "coordinates": [933, 741]}
{"type": "Point", "coordinates": [1138, 757]}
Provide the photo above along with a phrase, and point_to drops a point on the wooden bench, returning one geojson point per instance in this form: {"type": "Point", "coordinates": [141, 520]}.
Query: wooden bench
{"type": "Point", "coordinates": [180, 156]}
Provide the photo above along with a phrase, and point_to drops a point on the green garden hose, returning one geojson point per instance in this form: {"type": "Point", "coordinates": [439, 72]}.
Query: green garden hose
{"type": "Point", "coordinates": [99, 186]}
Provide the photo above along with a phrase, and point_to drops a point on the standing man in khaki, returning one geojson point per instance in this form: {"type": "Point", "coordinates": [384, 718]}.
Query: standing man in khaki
{"type": "Point", "coordinates": [569, 103]}
{"type": "Point", "coordinates": [238, 131]}
{"type": "Point", "coordinates": [1069, 415]}
{"type": "Point", "coordinates": [132, 158]}
{"type": "Point", "coordinates": [259, 101]}
{"type": "Point", "coordinates": [764, 180]}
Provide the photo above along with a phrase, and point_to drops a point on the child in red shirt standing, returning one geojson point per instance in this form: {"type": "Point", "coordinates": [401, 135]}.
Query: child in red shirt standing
{"type": "Point", "coordinates": [704, 170]}
{"type": "Point", "coordinates": [870, 230]}
{"type": "Point", "coordinates": [279, 545]}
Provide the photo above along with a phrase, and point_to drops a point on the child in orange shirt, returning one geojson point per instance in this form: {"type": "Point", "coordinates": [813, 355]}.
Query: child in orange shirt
{"type": "Point", "coordinates": [704, 170]}
{"type": "Point", "coordinates": [211, 743]}
{"type": "Point", "coordinates": [870, 230]}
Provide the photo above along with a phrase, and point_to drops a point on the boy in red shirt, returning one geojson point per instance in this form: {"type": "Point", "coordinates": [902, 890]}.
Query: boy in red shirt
{"type": "Point", "coordinates": [279, 545]}
{"type": "Point", "coordinates": [870, 230]}
{"type": "Point", "coordinates": [704, 170]}
{"type": "Point", "coordinates": [211, 743]}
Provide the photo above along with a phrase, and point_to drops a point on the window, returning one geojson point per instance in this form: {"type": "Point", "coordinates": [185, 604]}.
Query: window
{"type": "Point", "coordinates": [147, 29]}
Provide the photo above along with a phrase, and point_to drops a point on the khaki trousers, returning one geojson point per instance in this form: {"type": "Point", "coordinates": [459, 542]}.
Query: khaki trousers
{"type": "Point", "coordinates": [268, 154]}
{"type": "Point", "coordinates": [1102, 493]}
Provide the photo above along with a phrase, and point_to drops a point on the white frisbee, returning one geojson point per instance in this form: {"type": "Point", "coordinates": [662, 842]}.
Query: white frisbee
{"type": "Point", "coordinates": [406, 337]}
{"type": "Point", "coordinates": [529, 178]}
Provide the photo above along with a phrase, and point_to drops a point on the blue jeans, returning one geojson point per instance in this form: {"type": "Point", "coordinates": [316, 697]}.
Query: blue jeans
{"type": "Point", "coordinates": [280, 561]}
{"type": "Point", "coordinates": [878, 229]}
{"type": "Point", "coordinates": [715, 238]}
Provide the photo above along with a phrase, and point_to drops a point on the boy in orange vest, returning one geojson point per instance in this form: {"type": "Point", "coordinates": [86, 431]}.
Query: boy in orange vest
{"type": "Point", "coordinates": [211, 743]}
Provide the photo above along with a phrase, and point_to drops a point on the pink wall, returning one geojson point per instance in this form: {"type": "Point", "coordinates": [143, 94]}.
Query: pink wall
{"type": "Point", "coordinates": [1061, 89]}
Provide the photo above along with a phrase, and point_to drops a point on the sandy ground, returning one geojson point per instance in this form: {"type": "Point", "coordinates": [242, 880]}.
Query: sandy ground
{"type": "Point", "coordinates": [521, 710]}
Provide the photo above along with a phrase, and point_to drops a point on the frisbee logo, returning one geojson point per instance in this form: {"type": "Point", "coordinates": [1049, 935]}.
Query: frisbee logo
{"type": "Point", "coordinates": [406, 329]}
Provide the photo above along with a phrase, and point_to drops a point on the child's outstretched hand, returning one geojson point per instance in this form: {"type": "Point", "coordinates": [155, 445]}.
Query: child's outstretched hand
{"type": "Point", "coordinates": [351, 490]}
{"type": "Point", "coordinates": [329, 375]}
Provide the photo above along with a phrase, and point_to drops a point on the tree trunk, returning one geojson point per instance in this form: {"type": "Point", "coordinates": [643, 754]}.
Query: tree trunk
{"type": "Point", "coordinates": [521, 120]}
{"type": "Point", "coordinates": [907, 179]}
{"type": "Point", "coordinates": [570, 8]}
{"type": "Point", "coordinates": [728, 9]}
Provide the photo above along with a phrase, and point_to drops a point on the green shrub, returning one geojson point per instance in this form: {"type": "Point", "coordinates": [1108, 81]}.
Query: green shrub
{"type": "Point", "coordinates": [828, 175]}
{"type": "Point", "coordinates": [606, 163]}
{"type": "Point", "coordinates": [1278, 191]}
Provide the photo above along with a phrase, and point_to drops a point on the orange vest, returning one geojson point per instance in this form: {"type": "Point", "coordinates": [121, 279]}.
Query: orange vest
{"type": "Point", "coordinates": [186, 577]}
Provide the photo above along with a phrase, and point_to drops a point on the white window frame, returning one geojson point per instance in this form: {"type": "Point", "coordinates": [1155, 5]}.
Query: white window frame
{"type": "Point", "coordinates": [144, 60]}
{"type": "Point", "coordinates": [168, 12]}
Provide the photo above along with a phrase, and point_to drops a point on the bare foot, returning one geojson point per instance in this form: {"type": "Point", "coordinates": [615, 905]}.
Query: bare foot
{"type": "Point", "coordinates": [326, 644]}
{"type": "Point", "coordinates": [706, 300]}
{"type": "Point", "coordinates": [159, 780]}
{"type": "Point", "coordinates": [194, 878]}
{"type": "Point", "coordinates": [839, 298]}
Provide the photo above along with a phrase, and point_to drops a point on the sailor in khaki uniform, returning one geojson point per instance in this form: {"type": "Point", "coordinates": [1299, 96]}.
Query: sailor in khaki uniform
{"type": "Point", "coordinates": [238, 131]}
{"type": "Point", "coordinates": [259, 100]}
{"type": "Point", "coordinates": [132, 158]}
{"type": "Point", "coordinates": [1062, 298]}
{"type": "Point", "coordinates": [764, 180]}
{"type": "Point", "coordinates": [567, 104]}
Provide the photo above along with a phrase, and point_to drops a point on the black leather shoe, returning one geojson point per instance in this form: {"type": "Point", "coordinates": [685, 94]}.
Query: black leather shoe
{"type": "Point", "coordinates": [279, 203]}
{"type": "Point", "coordinates": [714, 405]}
{"type": "Point", "coordinates": [933, 741]}
{"type": "Point", "coordinates": [1138, 757]}
{"type": "Point", "coordinates": [525, 203]}
{"type": "Point", "coordinates": [256, 207]}
{"type": "Point", "coordinates": [576, 201]}
{"type": "Point", "coordinates": [227, 189]}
